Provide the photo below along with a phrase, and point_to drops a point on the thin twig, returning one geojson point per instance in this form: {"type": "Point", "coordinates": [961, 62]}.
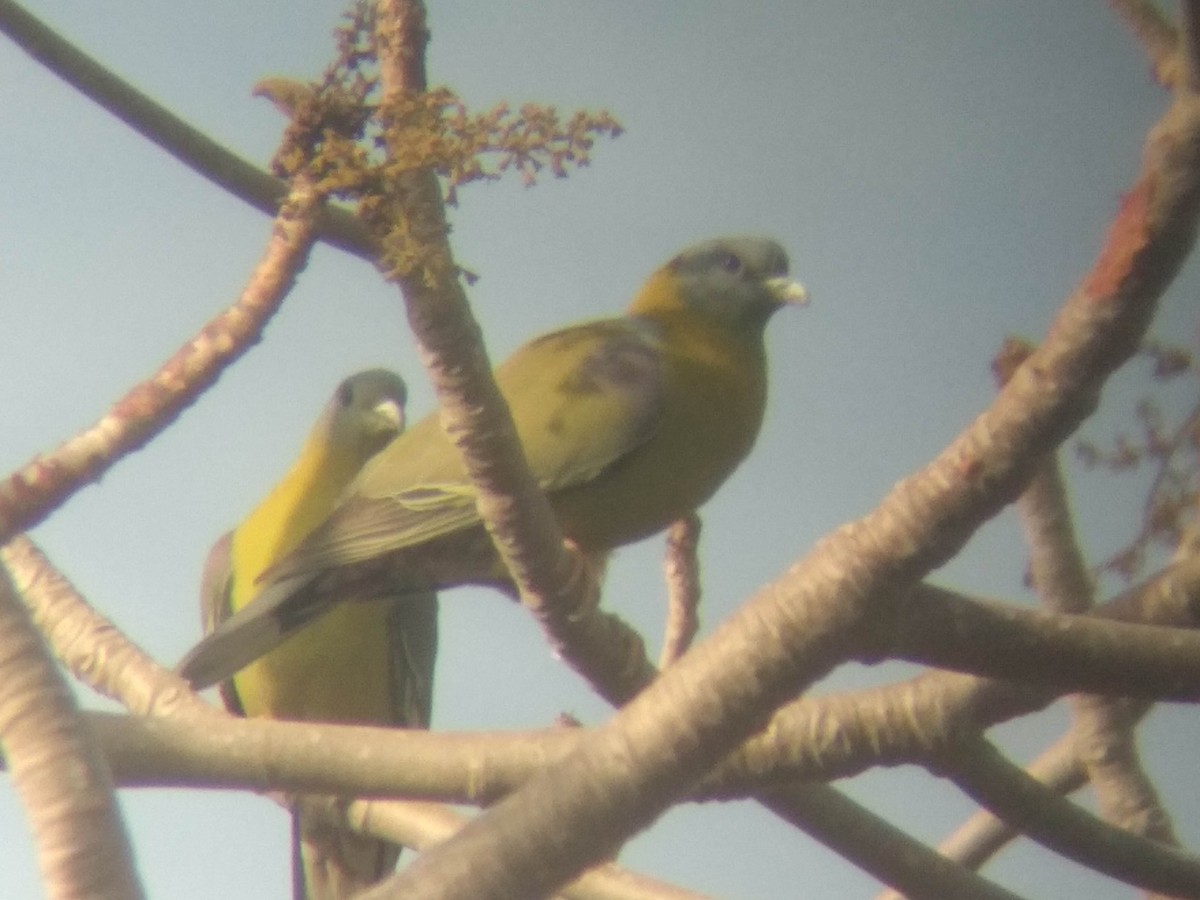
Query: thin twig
{"type": "Point", "coordinates": [193, 148]}
{"type": "Point", "coordinates": [43, 484]}
{"type": "Point", "coordinates": [1189, 44]}
{"type": "Point", "coordinates": [682, 570]}
{"type": "Point", "coordinates": [1156, 35]}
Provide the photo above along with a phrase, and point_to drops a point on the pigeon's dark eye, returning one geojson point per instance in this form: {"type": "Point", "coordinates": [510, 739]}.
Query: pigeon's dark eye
{"type": "Point", "coordinates": [731, 264]}
{"type": "Point", "coordinates": [345, 395]}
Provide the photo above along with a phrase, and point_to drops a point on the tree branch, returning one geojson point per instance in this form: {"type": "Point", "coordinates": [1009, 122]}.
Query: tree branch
{"type": "Point", "coordinates": [1104, 732]}
{"type": "Point", "coordinates": [1107, 746]}
{"type": "Point", "coordinates": [682, 569]}
{"type": "Point", "coordinates": [556, 585]}
{"type": "Point", "coordinates": [423, 825]}
{"type": "Point", "coordinates": [982, 772]}
{"type": "Point", "coordinates": [814, 738]}
{"type": "Point", "coordinates": [943, 629]}
{"type": "Point", "coordinates": [200, 153]}
{"type": "Point", "coordinates": [1189, 44]}
{"type": "Point", "coordinates": [878, 847]}
{"type": "Point", "coordinates": [796, 629]}
{"type": "Point", "coordinates": [43, 484]}
{"type": "Point", "coordinates": [841, 735]}
{"type": "Point", "coordinates": [62, 780]}
{"type": "Point", "coordinates": [89, 645]}
{"type": "Point", "coordinates": [1156, 35]}
{"type": "Point", "coordinates": [278, 755]}
{"type": "Point", "coordinates": [269, 755]}
{"type": "Point", "coordinates": [984, 834]}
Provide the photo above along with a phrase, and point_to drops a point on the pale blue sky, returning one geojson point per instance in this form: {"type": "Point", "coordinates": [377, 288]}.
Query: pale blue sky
{"type": "Point", "coordinates": [941, 173]}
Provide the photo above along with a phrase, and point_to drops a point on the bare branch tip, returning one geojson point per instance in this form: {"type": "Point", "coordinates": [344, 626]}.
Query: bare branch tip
{"type": "Point", "coordinates": [1189, 46]}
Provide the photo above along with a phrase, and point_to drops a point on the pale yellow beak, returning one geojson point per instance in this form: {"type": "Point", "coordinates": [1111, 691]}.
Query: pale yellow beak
{"type": "Point", "coordinates": [391, 413]}
{"type": "Point", "coordinates": [787, 292]}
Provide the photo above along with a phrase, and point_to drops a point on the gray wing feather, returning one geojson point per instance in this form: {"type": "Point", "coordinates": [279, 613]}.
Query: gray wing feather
{"type": "Point", "coordinates": [216, 594]}
{"type": "Point", "coordinates": [216, 583]}
{"type": "Point", "coordinates": [252, 631]}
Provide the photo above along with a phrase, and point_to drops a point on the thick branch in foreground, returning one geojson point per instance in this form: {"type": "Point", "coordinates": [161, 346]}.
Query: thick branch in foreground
{"type": "Point", "coordinates": [796, 629]}
{"type": "Point", "coordinates": [190, 146]}
{"type": "Point", "coordinates": [89, 645]}
{"type": "Point", "coordinates": [844, 734]}
{"type": "Point", "coordinates": [62, 781]}
{"type": "Point", "coordinates": [33, 492]}
{"type": "Point", "coordinates": [260, 754]}
{"type": "Point", "coordinates": [812, 738]}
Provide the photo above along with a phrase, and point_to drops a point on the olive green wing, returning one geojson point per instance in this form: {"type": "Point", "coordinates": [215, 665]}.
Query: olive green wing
{"type": "Point", "coordinates": [581, 398]}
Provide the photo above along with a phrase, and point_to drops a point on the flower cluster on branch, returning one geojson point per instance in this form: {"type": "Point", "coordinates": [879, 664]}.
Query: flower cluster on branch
{"type": "Point", "coordinates": [360, 145]}
{"type": "Point", "coordinates": [1169, 449]}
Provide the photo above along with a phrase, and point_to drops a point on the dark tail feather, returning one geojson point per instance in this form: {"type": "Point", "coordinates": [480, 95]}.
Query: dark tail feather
{"type": "Point", "coordinates": [262, 625]}
{"type": "Point", "coordinates": [298, 890]}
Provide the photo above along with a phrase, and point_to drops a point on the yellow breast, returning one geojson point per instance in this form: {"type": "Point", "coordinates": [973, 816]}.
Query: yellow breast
{"type": "Point", "coordinates": [337, 670]}
{"type": "Point", "coordinates": [714, 396]}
